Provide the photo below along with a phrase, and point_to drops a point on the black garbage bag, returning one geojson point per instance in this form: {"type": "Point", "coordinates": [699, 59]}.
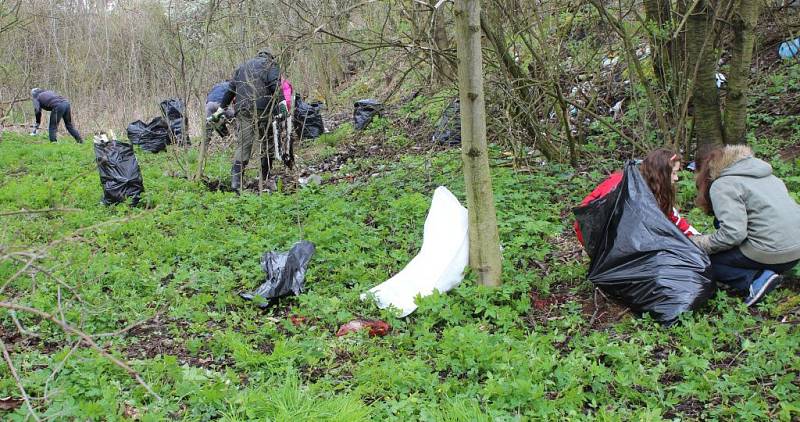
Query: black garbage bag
{"type": "Point", "coordinates": [308, 119]}
{"type": "Point", "coordinates": [152, 137]}
{"type": "Point", "coordinates": [286, 272]}
{"type": "Point", "coordinates": [175, 114]}
{"type": "Point", "coordinates": [639, 257]}
{"type": "Point", "coordinates": [120, 175]}
{"type": "Point", "coordinates": [448, 128]}
{"type": "Point", "coordinates": [364, 111]}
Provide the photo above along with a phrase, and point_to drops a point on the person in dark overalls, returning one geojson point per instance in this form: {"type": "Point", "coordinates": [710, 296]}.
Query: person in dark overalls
{"type": "Point", "coordinates": [59, 109]}
{"type": "Point", "coordinates": [255, 83]}
{"type": "Point", "coordinates": [217, 118]}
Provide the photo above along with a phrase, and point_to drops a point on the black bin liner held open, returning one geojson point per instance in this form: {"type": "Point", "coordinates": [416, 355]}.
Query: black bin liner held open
{"type": "Point", "coordinates": [364, 111]}
{"type": "Point", "coordinates": [639, 257]}
{"type": "Point", "coordinates": [152, 137]}
{"type": "Point", "coordinates": [120, 175]}
{"type": "Point", "coordinates": [286, 272]}
{"type": "Point", "coordinates": [308, 119]}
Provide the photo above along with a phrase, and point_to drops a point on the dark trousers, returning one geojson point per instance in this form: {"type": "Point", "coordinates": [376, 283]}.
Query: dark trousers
{"type": "Point", "coordinates": [731, 267]}
{"type": "Point", "coordinates": [61, 111]}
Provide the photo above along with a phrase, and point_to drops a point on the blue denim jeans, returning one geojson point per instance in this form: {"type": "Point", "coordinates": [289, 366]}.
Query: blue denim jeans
{"type": "Point", "coordinates": [731, 267]}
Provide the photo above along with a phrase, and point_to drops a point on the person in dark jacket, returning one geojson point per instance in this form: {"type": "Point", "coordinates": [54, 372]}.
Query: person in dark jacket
{"type": "Point", "coordinates": [217, 118]}
{"type": "Point", "coordinates": [758, 223]}
{"type": "Point", "coordinates": [255, 85]}
{"type": "Point", "coordinates": [59, 109]}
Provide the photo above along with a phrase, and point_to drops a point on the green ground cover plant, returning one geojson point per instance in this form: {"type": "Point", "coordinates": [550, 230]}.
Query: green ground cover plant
{"type": "Point", "coordinates": [542, 346]}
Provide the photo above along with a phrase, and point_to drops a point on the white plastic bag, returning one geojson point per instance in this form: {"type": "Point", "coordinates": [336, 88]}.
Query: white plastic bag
{"type": "Point", "coordinates": [440, 262]}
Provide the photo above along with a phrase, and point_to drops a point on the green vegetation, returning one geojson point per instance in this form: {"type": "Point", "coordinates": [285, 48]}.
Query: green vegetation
{"type": "Point", "coordinates": [533, 349]}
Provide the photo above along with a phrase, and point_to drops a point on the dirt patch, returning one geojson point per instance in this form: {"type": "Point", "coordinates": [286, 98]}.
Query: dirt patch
{"type": "Point", "coordinates": [598, 311]}
{"type": "Point", "coordinates": [160, 338]}
{"type": "Point", "coordinates": [790, 153]}
{"type": "Point", "coordinates": [690, 408]}
{"type": "Point", "coordinates": [19, 342]}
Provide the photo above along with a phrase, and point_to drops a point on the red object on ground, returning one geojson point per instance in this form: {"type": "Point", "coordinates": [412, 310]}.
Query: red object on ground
{"type": "Point", "coordinates": [297, 320]}
{"type": "Point", "coordinates": [376, 327]}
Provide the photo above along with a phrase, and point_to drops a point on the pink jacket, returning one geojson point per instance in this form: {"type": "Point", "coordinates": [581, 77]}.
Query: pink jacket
{"type": "Point", "coordinates": [288, 91]}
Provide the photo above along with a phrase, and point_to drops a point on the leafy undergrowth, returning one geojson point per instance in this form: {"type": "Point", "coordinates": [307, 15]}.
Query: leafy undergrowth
{"type": "Point", "coordinates": [164, 279]}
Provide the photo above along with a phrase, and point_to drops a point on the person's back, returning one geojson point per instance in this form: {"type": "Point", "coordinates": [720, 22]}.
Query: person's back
{"type": "Point", "coordinates": [255, 82]}
{"type": "Point", "coordinates": [220, 92]}
{"type": "Point", "coordinates": [771, 232]}
{"type": "Point", "coordinates": [46, 100]}
{"type": "Point", "coordinates": [59, 109]}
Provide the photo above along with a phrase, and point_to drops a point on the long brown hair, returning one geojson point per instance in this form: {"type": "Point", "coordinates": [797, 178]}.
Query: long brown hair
{"type": "Point", "coordinates": [703, 180]}
{"type": "Point", "coordinates": [657, 172]}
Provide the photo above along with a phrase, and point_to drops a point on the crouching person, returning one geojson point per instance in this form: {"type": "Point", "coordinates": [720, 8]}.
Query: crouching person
{"type": "Point", "coordinates": [59, 109]}
{"type": "Point", "coordinates": [758, 223]}
{"type": "Point", "coordinates": [217, 118]}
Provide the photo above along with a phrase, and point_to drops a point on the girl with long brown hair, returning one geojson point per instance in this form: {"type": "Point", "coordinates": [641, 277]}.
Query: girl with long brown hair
{"type": "Point", "coordinates": [660, 171]}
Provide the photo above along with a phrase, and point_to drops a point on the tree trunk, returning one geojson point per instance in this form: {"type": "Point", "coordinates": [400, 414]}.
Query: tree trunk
{"type": "Point", "coordinates": [658, 14]}
{"type": "Point", "coordinates": [444, 70]}
{"type": "Point", "coordinates": [521, 86]}
{"type": "Point", "coordinates": [702, 66]}
{"type": "Point", "coordinates": [201, 159]}
{"type": "Point", "coordinates": [484, 240]}
{"type": "Point", "coordinates": [744, 22]}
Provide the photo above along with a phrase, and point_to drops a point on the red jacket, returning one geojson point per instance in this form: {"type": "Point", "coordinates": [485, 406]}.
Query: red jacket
{"type": "Point", "coordinates": [612, 182]}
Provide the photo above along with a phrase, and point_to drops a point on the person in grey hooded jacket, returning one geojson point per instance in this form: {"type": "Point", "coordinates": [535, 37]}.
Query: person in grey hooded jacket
{"type": "Point", "coordinates": [758, 222]}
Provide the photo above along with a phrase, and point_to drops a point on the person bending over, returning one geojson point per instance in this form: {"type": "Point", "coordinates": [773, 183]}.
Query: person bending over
{"type": "Point", "coordinates": [59, 109]}
{"type": "Point", "coordinates": [758, 223]}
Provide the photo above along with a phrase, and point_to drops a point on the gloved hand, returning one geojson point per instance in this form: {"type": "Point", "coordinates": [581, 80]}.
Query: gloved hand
{"type": "Point", "coordinates": [283, 108]}
{"type": "Point", "coordinates": [215, 117]}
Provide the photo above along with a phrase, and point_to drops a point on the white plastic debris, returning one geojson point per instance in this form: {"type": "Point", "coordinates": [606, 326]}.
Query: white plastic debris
{"type": "Point", "coordinates": [440, 263]}
{"type": "Point", "coordinates": [721, 79]}
{"type": "Point", "coordinates": [616, 110]}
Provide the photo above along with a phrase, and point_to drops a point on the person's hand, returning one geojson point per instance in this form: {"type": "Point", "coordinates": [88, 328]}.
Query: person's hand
{"type": "Point", "coordinates": [702, 241]}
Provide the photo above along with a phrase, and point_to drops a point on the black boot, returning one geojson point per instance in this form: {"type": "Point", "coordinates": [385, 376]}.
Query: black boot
{"type": "Point", "coordinates": [236, 175]}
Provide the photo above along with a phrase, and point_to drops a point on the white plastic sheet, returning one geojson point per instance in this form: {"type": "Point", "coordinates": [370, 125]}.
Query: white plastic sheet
{"type": "Point", "coordinates": [440, 263]}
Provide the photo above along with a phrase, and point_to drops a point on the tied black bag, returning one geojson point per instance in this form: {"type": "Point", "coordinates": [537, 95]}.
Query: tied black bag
{"type": "Point", "coordinates": [639, 257]}
{"type": "Point", "coordinates": [120, 175]}
{"type": "Point", "coordinates": [364, 111]}
{"type": "Point", "coordinates": [152, 137]}
{"type": "Point", "coordinates": [308, 119]}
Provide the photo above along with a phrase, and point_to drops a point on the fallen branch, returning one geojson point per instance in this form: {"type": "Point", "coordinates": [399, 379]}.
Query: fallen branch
{"type": "Point", "coordinates": [13, 371]}
{"type": "Point", "coordinates": [86, 339]}
{"type": "Point", "coordinates": [40, 211]}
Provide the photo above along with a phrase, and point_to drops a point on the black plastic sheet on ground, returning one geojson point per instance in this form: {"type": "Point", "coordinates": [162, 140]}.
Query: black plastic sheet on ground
{"type": "Point", "coordinates": [152, 137]}
{"type": "Point", "coordinates": [448, 129]}
{"type": "Point", "coordinates": [175, 114]}
{"type": "Point", "coordinates": [120, 175]}
{"type": "Point", "coordinates": [364, 111]}
{"type": "Point", "coordinates": [308, 119]}
{"type": "Point", "coordinates": [639, 257]}
{"type": "Point", "coordinates": [286, 272]}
